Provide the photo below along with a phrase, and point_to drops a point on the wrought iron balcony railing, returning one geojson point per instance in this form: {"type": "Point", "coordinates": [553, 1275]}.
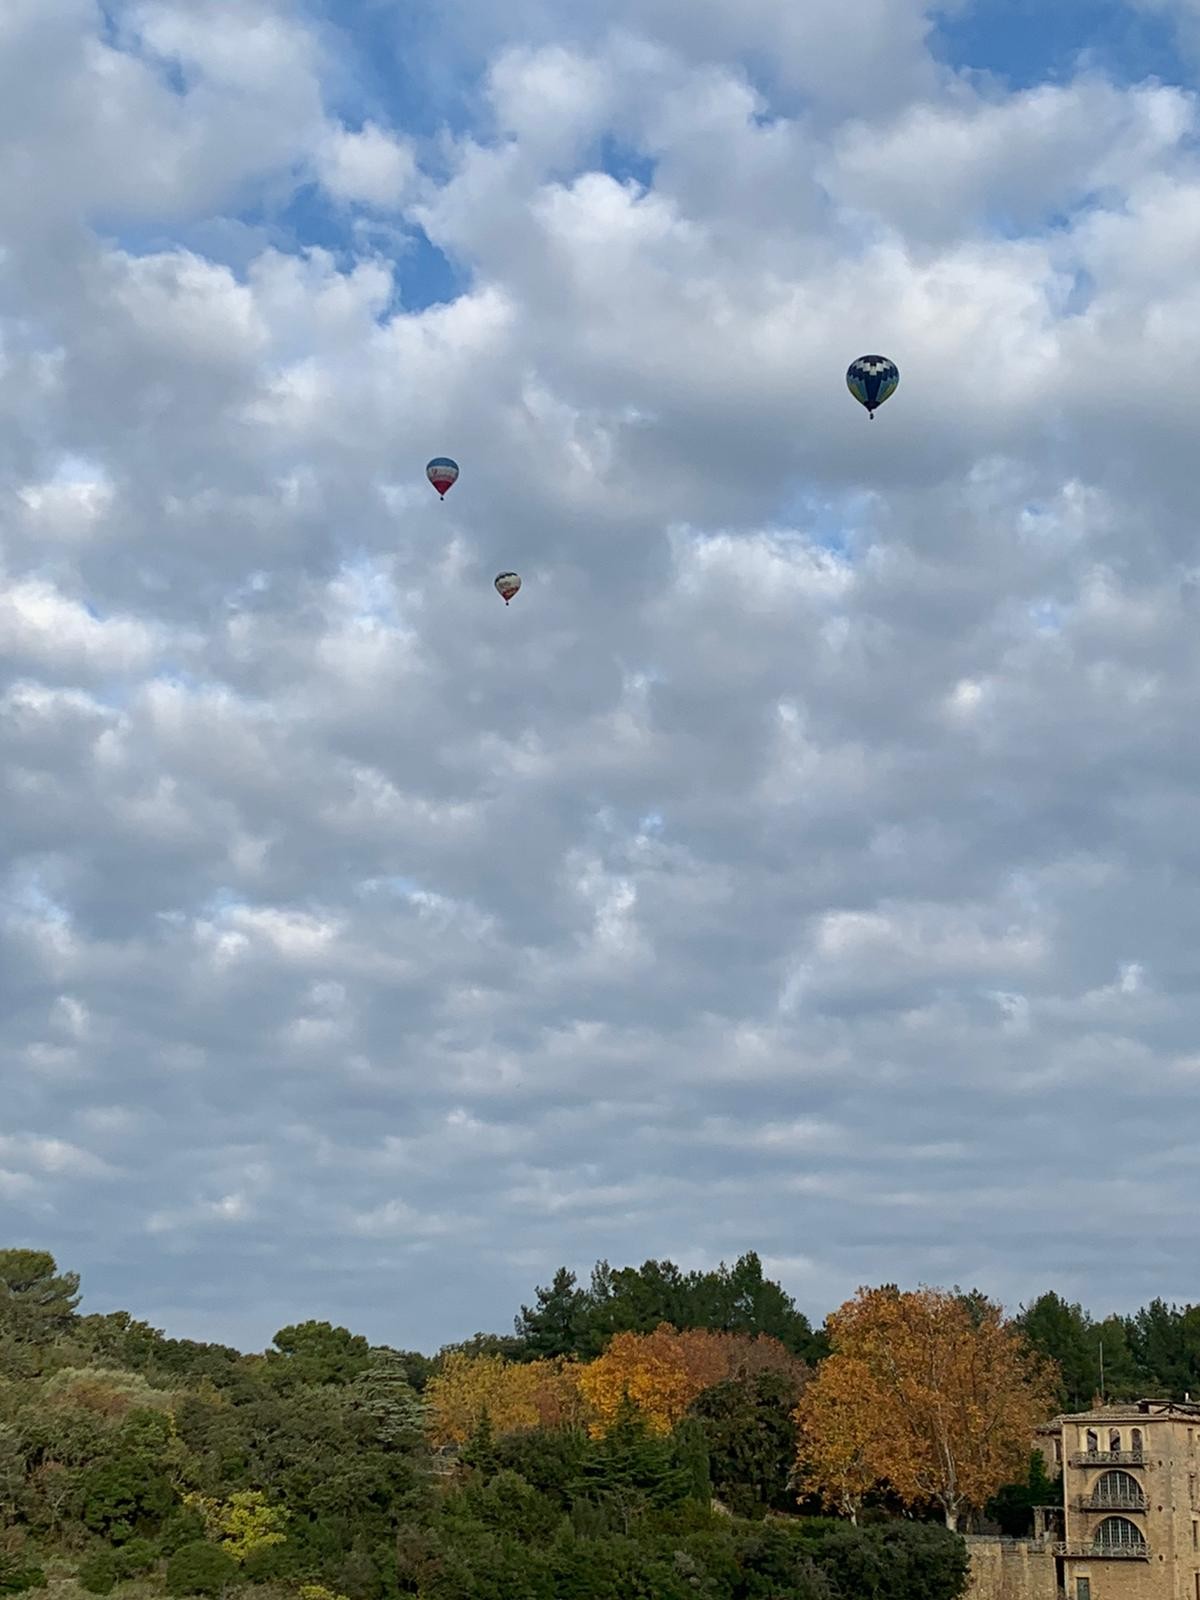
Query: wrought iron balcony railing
{"type": "Point", "coordinates": [1127, 1502]}
{"type": "Point", "coordinates": [1103, 1552]}
{"type": "Point", "coordinates": [1109, 1458]}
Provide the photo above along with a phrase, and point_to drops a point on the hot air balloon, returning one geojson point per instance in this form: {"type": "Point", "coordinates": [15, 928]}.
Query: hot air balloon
{"type": "Point", "coordinates": [870, 380]}
{"type": "Point", "coordinates": [507, 584]}
{"type": "Point", "coordinates": [442, 473]}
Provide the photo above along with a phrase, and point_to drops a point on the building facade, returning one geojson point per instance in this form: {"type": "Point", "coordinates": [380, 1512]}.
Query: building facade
{"type": "Point", "coordinates": [1129, 1524]}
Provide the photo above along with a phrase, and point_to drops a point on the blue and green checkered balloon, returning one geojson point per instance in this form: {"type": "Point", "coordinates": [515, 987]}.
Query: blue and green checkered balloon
{"type": "Point", "coordinates": [871, 379]}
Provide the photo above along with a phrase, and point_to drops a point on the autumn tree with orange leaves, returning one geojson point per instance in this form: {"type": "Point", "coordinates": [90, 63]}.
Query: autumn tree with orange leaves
{"type": "Point", "coordinates": [515, 1396]}
{"type": "Point", "coordinates": [663, 1372]}
{"type": "Point", "coordinates": [932, 1392]}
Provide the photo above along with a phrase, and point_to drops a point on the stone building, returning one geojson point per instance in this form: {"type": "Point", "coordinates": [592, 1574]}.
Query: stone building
{"type": "Point", "coordinates": [1128, 1527]}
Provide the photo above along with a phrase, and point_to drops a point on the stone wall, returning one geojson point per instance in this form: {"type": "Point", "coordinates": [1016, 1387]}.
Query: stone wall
{"type": "Point", "coordinates": [1009, 1569]}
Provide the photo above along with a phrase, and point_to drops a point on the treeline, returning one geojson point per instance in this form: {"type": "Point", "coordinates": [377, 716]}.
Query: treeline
{"type": "Point", "coordinates": [651, 1433]}
{"type": "Point", "coordinates": [1155, 1353]}
{"type": "Point", "coordinates": [328, 1469]}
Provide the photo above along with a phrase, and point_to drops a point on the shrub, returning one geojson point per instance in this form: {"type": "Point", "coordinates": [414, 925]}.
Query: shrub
{"type": "Point", "coordinates": [99, 1572]}
{"type": "Point", "coordinates": [135, 1557]}
{"type": "Point", "coordinates": [200, 1568]}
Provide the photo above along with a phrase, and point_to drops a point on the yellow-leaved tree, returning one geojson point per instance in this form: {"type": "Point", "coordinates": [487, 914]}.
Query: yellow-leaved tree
{"type": "Point", "coordinates": [933, 1391]}
{"type": "Point", "coordinates": [839, 1450]}
{"type": "Point", "coordinates": [243, 1523]}
{"type": "Point", "coordinates": [515, 1395]}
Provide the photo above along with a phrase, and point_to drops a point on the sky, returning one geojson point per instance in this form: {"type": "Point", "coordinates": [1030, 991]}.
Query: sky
{"type": "Point", "coordinates": [807, 860]}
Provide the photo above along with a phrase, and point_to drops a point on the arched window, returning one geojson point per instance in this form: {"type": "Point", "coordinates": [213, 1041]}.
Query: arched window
{"type": "Point", "coordinates": [1114, 1440]}
{"type": "Point", "coordinates": [1135, 1441]}
{"type": "Point", "coordinates": [1118, 1489]}
{"type": "Point", "coordinates": [1093, 1441]}
{"type": "Point", "coordinates": [1118, 1533]}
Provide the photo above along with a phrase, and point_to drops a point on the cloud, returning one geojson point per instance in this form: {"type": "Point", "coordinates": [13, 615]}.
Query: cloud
{"type": "Point", "coordinates": [826, 797]}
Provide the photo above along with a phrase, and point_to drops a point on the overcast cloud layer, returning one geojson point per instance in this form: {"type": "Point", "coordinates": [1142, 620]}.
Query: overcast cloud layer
{"type": "Point", "coordinates": [806, 861]}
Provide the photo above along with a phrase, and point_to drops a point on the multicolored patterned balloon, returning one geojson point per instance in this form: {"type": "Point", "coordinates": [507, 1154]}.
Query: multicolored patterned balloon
{"type": "Point", "coordinates": [507, 584]}
{"type": "Point", "coordinates": [871, 379]}
{"type": "Point", "coordinates": [442, 474]}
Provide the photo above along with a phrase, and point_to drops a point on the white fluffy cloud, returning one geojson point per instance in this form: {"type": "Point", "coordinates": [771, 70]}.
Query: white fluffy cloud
{"type": "Point", "coordinates": [800, 862]}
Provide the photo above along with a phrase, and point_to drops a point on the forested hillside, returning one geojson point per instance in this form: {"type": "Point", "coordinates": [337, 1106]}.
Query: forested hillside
{"type": "Point", "coordinates": [654, 1434]}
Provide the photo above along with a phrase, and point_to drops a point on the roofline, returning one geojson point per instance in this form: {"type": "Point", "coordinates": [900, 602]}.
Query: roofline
{"type": "Point", "coordinates": [1133, 1409]}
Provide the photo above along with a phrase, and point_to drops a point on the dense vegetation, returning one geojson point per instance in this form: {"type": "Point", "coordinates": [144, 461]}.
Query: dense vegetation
{"type": "Point", "coordinates": [633, 1440]}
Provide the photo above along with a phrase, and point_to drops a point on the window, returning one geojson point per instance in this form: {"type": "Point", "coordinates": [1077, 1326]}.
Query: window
{"type": "Point", "coordinates": [1057, 1451]}
{"type": "Point", "coordinates": [1083, 1588]}
{"type": "Point", "coordinates": [1135, 1441]}
{"type": "Point", "coordinates": [1195, 1534]}
{"type": "Point", "coordinates": [1118, 1533]}
{"type": "Point", "coordinates": [1119, 1489]}
{"type": "Point", "coordinates": [1093, 1441]}
{"type": "Point", "coordinates": [1114, 1440]}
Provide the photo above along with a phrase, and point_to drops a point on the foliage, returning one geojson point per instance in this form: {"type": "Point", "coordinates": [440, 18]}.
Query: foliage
{"type": "Point", "coordinates": [17, 1575]}
{"type": "Point", "coordinates": [316, 1353]}
{"type": "Point", "coordinates": [569, 1320]}
{"type": "Point", "coordinates": [1012, 1505]}
{"type": "Point", "coordinates": [514, 1395]}
{"type": "Point", "coordinates": [751, 1438]}
{"type": "Point", "coordinates": [99, 1573]}
{"type": "Point", "coordinates": [937, 1397]}
{"type": "Point", "coordinates": [664, 1372]}
{"type": "Point", "coordinates": [36, 1302]}
{"type": "Point", "coordinates": [200, 1568]}
{"type": "Point", "coordinates": [244, 1523]}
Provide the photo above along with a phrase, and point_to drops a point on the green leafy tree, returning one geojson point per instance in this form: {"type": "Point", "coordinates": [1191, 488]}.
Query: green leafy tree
{"type": "Point", "coordinates": [751, 1434]}
{"type": "Point", "coordinates": [99, 1572]}
{"type": "Point", "coordinates": [200, 1568]}
{"type": "Point", "coordinates": [314, 1353]}
{"type": "Point", "coordinates": [1012, 1507]}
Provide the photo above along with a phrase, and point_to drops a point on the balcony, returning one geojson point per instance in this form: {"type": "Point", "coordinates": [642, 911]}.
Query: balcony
{"type": "Point", "coordinates": [1109, 1458]}
{"type": "Point", "coordinates": [1103, 1552]}
{"type": "Point", "coordinates": [1112, 1503]}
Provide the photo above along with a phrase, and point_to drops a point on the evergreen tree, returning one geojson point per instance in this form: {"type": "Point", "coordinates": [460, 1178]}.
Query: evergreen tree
{"type": "Point", "coordinates": [554, 1325]}
{"type": "Point", "coordinates": [383, 1391]}
{"type": "Point", "coordinates": [1064, 1333]}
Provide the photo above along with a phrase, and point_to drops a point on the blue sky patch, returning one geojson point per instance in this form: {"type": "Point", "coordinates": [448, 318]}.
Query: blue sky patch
{"type": "Point", "coordinates": [1031, 42]}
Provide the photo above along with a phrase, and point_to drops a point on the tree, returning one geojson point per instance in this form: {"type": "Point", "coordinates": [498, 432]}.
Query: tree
{"type": "Point", "coordinates": [941, 1399]}
{"type": "Point", "coordinates": [1121, 1379]}
{"type": "Point", "coordinates": [1165, 1342]}
{"type": "Point", "coordinates": [382, 1390]}
{"type": "Point", "coordinates": [663, 1372]}
{"type": "Point", "coordinates": [1012, 1506]}
{"type": "Point", "coordinates": [840, 1443]}
{"type": "Point", "coordinates": [317, 1353]}
{"type": "Point", "coordinates": [751, 1437]}
{"type": "Point", "coordinates": [200, 1569]}
{"type": "Point", "coordinates": [37, 1302]}
{"type": "Point", "coordinates": [739, 1299]}
{"type": "Point", "coordinates": [244, 1524]}
{"type": "Point", "coordinates": [1064, 1334]}
{"type": "Point", "coordinates": [514, 1394]}
{"type": "Point", "coordinates": [553, 1327]}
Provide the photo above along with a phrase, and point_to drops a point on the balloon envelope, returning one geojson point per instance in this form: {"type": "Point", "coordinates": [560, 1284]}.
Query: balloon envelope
{"type": "Point", "coordinates": [507, 584]}
{"type": "Point", "coordinates": [442, 473]}
{"type": "Point", "coordinates": [871, 379]}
